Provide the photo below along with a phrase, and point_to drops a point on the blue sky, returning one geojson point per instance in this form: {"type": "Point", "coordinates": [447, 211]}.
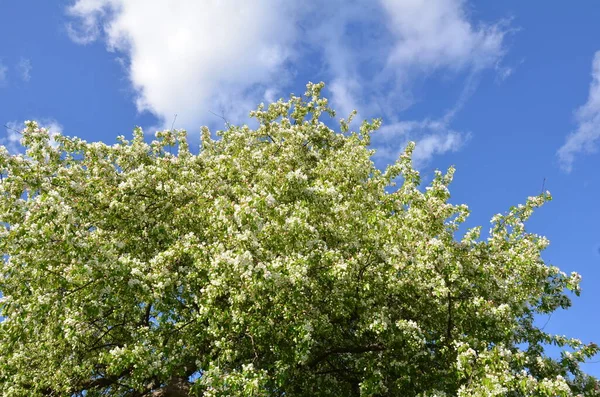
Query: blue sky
{"type": "Point", "coordinates": [507, 91]}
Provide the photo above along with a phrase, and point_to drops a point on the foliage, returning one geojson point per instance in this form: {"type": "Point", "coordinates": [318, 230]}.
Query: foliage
{"type": "Point", "coordinates": [276, 261]}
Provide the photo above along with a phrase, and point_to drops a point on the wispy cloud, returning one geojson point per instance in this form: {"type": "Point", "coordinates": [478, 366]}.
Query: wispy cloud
{"type": "Point", "coordinates": [12, 139]}
{"type": "Point", "coordinates": [585, 138]}
{"type": "Point", "coordinates": [87, 28]}
{"type": "Point", "coordinates": [433, 137]}
{"type": "Point", "coordinates": [405, 39]}
{"type": "Point", "coordinates": [24, 68]}
{"type": "Point", "coordinates": [417, 38]}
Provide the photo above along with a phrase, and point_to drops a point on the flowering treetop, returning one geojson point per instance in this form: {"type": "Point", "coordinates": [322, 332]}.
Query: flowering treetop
{"type": "Point", "coordinates": [276, 261]}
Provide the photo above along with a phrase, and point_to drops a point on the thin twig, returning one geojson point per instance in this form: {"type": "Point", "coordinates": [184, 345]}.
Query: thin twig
{"type": "Point", "coordinates": [547, 321]}
{"type": "Point", "coordinates": [173, 124]}
{"type": "Point", "coordinates": [12, 129]}
{"type": "Point", "coordinates": [227, 123]}
{"type": "Point", "coordinates": [543, 185]}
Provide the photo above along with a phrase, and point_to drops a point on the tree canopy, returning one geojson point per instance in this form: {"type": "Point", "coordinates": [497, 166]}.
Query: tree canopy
{"type": "Point", "coordinates": [276, 261]}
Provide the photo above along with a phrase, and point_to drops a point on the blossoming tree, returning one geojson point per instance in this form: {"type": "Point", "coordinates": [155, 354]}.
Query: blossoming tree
{"type": "Point", "coordinates": [276, 261]}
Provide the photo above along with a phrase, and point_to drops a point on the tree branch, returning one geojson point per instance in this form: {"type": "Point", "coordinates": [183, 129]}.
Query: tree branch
{"type": "Point", "coordinates": [345, 350]}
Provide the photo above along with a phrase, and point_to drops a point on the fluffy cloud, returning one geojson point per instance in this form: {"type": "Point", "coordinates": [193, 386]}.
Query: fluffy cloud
{"type": "Point", "coordinates": [192, 58]}
{"type": "Point", "coordinates": [585, 138]}
{"type": "Point", "coordinates": [189, 57]}
{"type": "Point", "coordinates": [437, 33]}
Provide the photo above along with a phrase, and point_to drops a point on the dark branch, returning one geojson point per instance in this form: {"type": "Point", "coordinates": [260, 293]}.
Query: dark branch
{"type": "Point", "coordinates": [345, 350]}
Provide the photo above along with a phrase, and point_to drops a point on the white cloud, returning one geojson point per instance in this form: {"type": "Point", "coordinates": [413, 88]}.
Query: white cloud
{"type": "Point", "coordinates": [345, 95]}
{"type": "Point", "coordinates": [189, 58]}
{"type": "Point", "coordinates": [12, 139]}
{"type": "Point", "coordinates": [437, 33]}
{"type": "Point", "coordinates": [88, 13]}
{"type": "Point", "coordinates": [437, 143]}
{"type": "Point", "coordinates": [270, 95]}
{"type": "Point", "coordinates": [585, 138]}
{"type": "Point", "coordinates": [433, 137]}
{"type": "Point", "coordinates": [24, 68]}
